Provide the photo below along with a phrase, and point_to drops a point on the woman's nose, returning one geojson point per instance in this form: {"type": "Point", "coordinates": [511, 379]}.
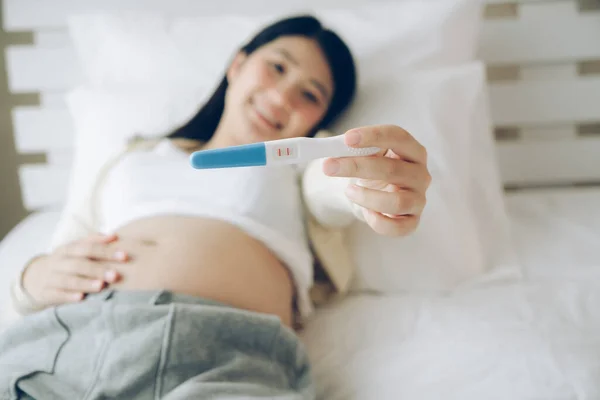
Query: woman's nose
{"type": "Point", "coordinates": [282, 95]}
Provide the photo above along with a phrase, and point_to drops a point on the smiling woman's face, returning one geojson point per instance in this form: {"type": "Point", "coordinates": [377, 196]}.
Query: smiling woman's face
{"type": "Point", "coordinates": [281, 90]}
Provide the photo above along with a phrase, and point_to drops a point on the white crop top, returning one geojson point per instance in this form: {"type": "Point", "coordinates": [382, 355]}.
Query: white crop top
{"type": "Point", "coordinates": [265, 202]}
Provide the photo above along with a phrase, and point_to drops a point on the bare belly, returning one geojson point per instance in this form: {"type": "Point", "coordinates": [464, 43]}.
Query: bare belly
{"type": "Point", "coordinates": [205, 258]}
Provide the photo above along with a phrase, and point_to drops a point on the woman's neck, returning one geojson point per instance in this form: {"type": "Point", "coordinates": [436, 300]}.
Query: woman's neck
{"type": "Point", "coordinates": [222, 137]}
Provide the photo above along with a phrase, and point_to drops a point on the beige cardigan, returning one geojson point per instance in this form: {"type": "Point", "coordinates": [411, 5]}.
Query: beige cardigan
{"type": "Point", "coordinates": [327, 209]}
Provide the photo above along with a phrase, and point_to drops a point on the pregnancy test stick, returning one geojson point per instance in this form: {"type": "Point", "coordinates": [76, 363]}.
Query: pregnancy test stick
{"type": "Point", "coordinates": [277, 152]}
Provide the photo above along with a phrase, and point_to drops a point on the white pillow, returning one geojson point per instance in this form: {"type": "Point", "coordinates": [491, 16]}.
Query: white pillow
{"type": "Point", "coordinates": [143, 49]}
{"type": "Point", "coordinates": [437, 106]}
{"type": "Point", "coordinates": [104, 121]}
{"type": "Point", "coordinates": [442, 108]}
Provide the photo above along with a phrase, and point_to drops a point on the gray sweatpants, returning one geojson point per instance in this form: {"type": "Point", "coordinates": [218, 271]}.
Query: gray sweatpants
{"type": "Point", "coordinates": [151, 345]}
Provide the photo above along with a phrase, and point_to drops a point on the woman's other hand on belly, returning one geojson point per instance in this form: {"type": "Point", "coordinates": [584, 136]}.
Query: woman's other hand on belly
{"type": "Point", "coordinates": [73, 270]}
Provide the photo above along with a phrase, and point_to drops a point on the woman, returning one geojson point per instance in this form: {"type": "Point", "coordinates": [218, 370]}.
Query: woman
{"type": "Point", "coordinates": [194, 293]}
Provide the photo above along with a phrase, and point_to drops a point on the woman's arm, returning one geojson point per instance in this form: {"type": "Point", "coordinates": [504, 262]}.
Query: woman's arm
{"type": "Point", "coordinates": [76, 225]}
{"type": "Point", "coordinates": [67, 273]}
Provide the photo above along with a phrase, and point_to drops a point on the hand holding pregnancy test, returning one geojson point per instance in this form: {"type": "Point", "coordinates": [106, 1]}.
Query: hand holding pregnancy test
{"type": "Point", "coordinates": [389, 165]}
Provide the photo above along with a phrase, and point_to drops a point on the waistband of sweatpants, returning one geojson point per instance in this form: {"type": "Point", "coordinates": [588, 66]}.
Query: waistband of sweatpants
{"type": "Point", "coordinates": [288, 348]}
{"type": "Point", "coordinates": [153, 297]}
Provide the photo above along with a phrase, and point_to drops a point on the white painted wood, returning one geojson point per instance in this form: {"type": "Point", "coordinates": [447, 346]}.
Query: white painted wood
{"type": "Point", "coordinates": [520, 164]}
{"type": "Point", "coordinates": [537, 35]}
{"type": "Point", "coordinates": [546, 40]}
{"type": "Point", "coordinates": [18, 14]}
{"type": "Point", "coordinates": [533, 38]}
{"type": "Point", "coordinates": [550, 162]}
{"type": "Point", "coordinates": [61, 158]}
{"type": "Point", "coordinates": [43, 186]}
{"type": "Point", "coordinates": [34, 69]}
{"type": "Point", "coordinates": [512, 104]}
{"type": "Point", "coordinates": [39, 130]}
{"type": "Point", "coordinates": [51, 38]}
{"type": "Point", "coordinates": [543, 32]}
{"type": "Point", "coordinates": [528, 103]}
{"type": "Point", "coordinates": [53, 99]}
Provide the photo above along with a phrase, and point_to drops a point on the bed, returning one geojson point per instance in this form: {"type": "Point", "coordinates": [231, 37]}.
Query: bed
{"type": "Point", "coordinates": [537, 338]}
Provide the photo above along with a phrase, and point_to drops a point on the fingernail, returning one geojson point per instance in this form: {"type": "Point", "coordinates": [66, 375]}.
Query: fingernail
{"type": "Point", "coordinates": [120, 255]}
{"type": "Point", "coordinates": [352, 138]}
{"type": "Point", "coordinates": [77, 296]}
{"type": "Point", "coordinates": [331, 167]}
{"type": "Point", "coordinates": [110, 275]}
{"type": "Point", "coordinates": [97, 284]}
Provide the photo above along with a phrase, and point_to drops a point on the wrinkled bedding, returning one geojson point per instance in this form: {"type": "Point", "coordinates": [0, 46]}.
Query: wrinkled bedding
{"type": "Point", "coordinates": [535, 339]}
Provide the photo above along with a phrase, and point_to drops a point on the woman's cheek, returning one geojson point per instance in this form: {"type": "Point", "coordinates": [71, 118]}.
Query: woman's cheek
{"type": "Point", "coordinates": [264, 75]}
{"type": "Point", "coordinates": [311, 115]}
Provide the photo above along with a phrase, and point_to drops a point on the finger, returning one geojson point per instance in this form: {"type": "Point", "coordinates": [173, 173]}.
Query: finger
{"type": "Point", "coordinates": [95, 251]}
{"type": "Point", "coordinates": [75, 283]}
{"type": "Point", "coordinates": [388, 137]}
{"type": "Point", "coordinates": [90, 270]}
{"type": "Point", "coordinates": [401, 202]}
{"type": "Point", "coordinates": [398, 172]}
{"type": "Point", "coordinates": [101, 238]}
{"type": "Point", "coordinates": [64, 296]}
{"type": "Point", "coordinates": [388, 226]}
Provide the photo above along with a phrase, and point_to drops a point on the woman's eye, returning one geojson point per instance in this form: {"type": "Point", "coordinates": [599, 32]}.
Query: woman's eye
{"type": "Point", "coordinates": [311, 97]}
{"type": "Point", "coordinates": [279, 68]}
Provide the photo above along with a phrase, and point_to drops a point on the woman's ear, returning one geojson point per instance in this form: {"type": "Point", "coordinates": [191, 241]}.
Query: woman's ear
{"type": "Point", "coordinates": [236, 66]}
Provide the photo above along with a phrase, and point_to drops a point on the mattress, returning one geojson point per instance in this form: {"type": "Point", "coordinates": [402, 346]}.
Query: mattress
{"type": "Point", "coordinates": [537, 339]}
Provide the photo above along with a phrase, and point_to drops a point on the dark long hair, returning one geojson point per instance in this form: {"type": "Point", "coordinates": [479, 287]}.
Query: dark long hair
{"type": "Point", "coordinates": [202, 125]}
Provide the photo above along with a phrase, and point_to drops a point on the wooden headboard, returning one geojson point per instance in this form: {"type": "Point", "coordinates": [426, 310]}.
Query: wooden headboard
{"type": "Point", "coordinates": [543, 61]}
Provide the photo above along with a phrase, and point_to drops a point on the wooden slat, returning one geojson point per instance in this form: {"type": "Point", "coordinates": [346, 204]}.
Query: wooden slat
{"type": "Point", "coordinates": [53, 99]}
{"type": "Point", "coordinates": [35, 69]}
{"type": "Point", "coordinates": [60, 158]}
{"type": "Point", "coordinates": [544, 32]}
{"type": "Point", "coordinates": [550, 162]}
{"type": "Point", "coordinates": [520, 164]}
{"type": "Point", "coordinates": [41, 14]}
{"type": "Point", "coordinates": [52, 38]}
{"type": "Point", "coordinates": [531, 38]}
{"type": "Point", "coordinates": [43, 186]}
{"type": "Point", "coordinates": [41, 129]}
{"type": "Point", "coordinates": [531, 104]}
{"type": "Point", "coordinates": [546, 102]}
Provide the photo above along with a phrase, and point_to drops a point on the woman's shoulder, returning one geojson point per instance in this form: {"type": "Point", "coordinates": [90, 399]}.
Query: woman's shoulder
{"type": "Point", "coordinates": [139, 142]}
{"type": "Point", "coordinates": [187, 145]}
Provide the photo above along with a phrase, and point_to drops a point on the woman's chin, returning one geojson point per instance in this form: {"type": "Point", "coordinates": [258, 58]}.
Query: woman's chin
{"type": "Point", "coordinates": [260, 135]}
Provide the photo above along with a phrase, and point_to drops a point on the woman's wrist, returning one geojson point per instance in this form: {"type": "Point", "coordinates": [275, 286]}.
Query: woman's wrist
{"type": "Point", "coordinates": [23, 302]}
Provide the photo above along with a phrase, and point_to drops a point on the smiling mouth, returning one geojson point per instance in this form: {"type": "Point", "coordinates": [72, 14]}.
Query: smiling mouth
{"type": "Point", "coordinates": [267, 119]}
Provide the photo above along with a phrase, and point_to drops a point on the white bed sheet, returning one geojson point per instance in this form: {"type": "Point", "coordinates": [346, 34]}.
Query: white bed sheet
{"type": "Point", "coordinates": [557, 232]}
{"type": "Point", "coordinates": [538, 339]}
{"type": "Point", "coordinates": [520, 342]}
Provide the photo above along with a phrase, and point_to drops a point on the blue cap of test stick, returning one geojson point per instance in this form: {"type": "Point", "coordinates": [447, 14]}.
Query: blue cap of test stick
{"type": "Point", "coordinates": [247, 155]}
